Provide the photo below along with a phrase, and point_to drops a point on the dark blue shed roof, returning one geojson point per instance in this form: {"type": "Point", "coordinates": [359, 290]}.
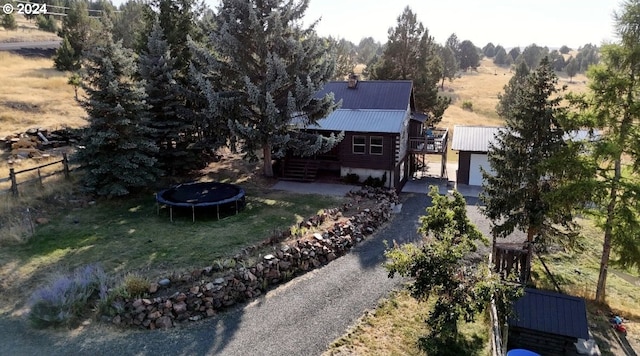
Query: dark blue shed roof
{"type": "Point", "coordinates": [552, 313]}
{"type": "Point", "coordinates": [371, 94]}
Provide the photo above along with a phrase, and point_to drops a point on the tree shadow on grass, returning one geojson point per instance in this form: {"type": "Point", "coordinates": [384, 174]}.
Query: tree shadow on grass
{"type": "Point", "coordinates": [463, 345]}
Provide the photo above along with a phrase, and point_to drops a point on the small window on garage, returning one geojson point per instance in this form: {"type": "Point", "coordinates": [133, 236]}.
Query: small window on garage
{"type": "Point", "coordinates": [359, 145]}
{"type": "Point", "coordinates": [375, 145]}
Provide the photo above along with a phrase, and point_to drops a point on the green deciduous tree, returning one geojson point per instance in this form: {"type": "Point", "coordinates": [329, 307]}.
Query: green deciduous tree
{"type": "Point", "coordinates": [116, 154]}
{"type": "Point", "coordinates": [532, 163]}
{"type": "Point", "coordinates": [441, 269]}
{"type": "Point", "coordinates": [612, 107]}
{"type": "Point", "coordinates": [272, 68]}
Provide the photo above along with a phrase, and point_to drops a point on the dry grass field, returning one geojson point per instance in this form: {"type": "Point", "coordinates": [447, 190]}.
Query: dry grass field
{"type": "Point", "coordinates": [27, 31]}
{"type": "Point", "coordinates": [34, 94]}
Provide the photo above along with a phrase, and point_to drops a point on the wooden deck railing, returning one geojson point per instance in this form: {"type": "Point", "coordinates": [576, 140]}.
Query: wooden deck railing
{"type": "Point", "coordinates": [436, 143]}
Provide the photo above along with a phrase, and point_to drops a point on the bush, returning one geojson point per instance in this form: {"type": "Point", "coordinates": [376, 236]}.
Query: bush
{"type": "Point", "coordinates": [467, 105]}
{"type": "Point", "coordinates": [351, 178]}
{"type": "Point", "coordinates": [66, 298]}
{"type": "Point", "coordinates": [376, 182]}
{"type": "Point", "coordinates": [46, 23]}
{"type": "Point", "coordinates": [135, 285]}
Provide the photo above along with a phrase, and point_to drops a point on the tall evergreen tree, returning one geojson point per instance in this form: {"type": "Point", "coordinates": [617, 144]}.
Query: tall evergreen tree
{"type": "Point", "coordinates": [344, 53]}
{"type": "Point", "coordinates": [166, 105]}
{"type": "Point", "coordinates": [449, 64]}
{"type": "Point", "coordinates": [469, 57]}
{"type": "Point", "coordinates": [76, 29]}
{"type": "Point", "coordinates": [272, 69]}
{"type": "Point", "coordinates": [611, 106]}
{"type": "Point", "coordinates": [411, 53]}
{"type": "Point", "coordinates": [117, 155]}
{"type": "Point", "coordinates": [530, 160]}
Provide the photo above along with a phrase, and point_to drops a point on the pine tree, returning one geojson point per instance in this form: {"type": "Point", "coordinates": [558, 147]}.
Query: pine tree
{"type": "Point", "coordinates": [271, 69]}
{"type": "Point", "coordinates": [166, 105]}
{"type": "Point", "coordinates": [531, 161]}
{"type": "Point", "coordinates": [65, 58]}
{"type": "Point", "coordinates": [76, 29]}
{"type": "Point", "coordinates": [117, 155]}
{"type": "Point", "coordinates": [411, 53]}
{"type": "Point", "coordinates": [611, 107]}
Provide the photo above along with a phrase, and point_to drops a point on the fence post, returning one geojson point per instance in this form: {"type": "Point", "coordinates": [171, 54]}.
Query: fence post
{"type": "Point", "coordinates": [14, 184]}
{"type": "Point", "coordinates": [65, 163]}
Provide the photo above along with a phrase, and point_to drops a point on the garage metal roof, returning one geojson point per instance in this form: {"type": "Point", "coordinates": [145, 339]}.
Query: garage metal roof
{"type": "Point", "coordinates": [473, 138]}
{"type": "Point", "coordinates": [552, 313]}
{"type": "Point", "coordinates": [382, 121]}
{"type": "Point", "coordinates": [478, 138]}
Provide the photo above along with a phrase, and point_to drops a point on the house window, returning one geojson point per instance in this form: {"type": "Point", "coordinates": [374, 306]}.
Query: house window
{"type": "Point", "coordinates": [359, 145]}
{"type": "Point", "coordinates": [375, 145]}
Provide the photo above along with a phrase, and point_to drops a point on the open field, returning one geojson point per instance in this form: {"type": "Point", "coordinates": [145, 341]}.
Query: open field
{"type": "Point", "coordinates": [27, 31]}
{"type": "Point", "coordinates": [34, 94]}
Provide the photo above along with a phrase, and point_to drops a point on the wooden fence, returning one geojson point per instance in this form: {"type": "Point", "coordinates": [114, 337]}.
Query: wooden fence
{"type": "Point", "coordinates": [13, 175]}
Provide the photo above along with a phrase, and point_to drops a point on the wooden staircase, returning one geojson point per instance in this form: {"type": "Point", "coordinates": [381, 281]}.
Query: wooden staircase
{"type": "Point", "coordinates": [300, 170]}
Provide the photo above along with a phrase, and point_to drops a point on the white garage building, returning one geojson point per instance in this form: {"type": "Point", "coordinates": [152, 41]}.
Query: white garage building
{"type": "Point", "coordinates": [472, 144]}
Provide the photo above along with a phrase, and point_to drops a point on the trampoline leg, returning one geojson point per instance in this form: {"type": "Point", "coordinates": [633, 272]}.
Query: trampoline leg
{"type": "Point", "coordinates": [236, 207]}
{"type": "Point", "coordinates": [193, 213]}
{"type": "Point", "coordinates": [171, 213]}
{"type": "Point", "coordinates": [218, 210]}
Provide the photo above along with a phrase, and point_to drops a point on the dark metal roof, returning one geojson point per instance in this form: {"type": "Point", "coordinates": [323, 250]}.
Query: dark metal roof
{"type": "Point", "coordinates": [552, 313]}
{"type": "Point", "coordinates": [371, 94]}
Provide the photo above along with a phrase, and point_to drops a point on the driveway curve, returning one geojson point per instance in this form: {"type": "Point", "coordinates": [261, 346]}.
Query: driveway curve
{"type": "Point", "coordinates": [301, 317]}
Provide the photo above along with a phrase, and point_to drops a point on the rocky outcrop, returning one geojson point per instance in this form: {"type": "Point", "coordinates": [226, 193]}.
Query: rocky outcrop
{"type": "Point", "coordinates": [207, 293]}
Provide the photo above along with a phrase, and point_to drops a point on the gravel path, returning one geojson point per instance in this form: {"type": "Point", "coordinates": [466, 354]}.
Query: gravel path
{"type": "Point", "coordinates": [298, 318]}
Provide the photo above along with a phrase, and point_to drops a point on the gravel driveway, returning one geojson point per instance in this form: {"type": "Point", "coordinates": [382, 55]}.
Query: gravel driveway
{"type": "Point", "coordinates": [301, 317]}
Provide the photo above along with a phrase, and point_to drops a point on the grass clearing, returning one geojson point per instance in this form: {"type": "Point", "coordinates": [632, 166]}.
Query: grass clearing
{"type": "Point", "coordinates": [395, 326]}
{"type": "Point", "coordinates": [33, 93]}
{"type": "Point", "coordinates": [128, 236]}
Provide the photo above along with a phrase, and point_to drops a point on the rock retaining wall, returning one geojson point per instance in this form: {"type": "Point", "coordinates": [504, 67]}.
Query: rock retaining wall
{"type": "Point", "coordinates": [207, 294]}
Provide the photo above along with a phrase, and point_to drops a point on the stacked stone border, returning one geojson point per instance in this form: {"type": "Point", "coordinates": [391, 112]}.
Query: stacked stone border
{"type": "Point", "coordinates": [208, 293]}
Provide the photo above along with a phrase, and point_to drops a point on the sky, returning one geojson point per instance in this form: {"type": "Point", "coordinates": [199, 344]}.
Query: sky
{"type": "Point", "coordinates": [510, 23]}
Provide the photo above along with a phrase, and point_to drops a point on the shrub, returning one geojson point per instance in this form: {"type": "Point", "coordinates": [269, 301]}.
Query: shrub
{"type": "Point", "coordinates": [467, 105]}
{"type": "Point", "coordinates": [64, 300]}
{"type": "Point", "coordinates": [136, 285]}
{"type": "Point", "coordinates": [376, 182]}
{"type": "Point", "coordinates": [351, 178]}
{"type": "Point", "coordinates": [46, 23]}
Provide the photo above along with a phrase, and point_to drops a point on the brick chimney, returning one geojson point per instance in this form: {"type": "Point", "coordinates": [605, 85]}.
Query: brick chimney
{"type": "Point", "coordinates": [353, 81]}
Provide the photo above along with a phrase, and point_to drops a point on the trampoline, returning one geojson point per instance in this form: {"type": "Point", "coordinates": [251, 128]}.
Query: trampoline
{"type": "Point", "coordinates": [222, 197]}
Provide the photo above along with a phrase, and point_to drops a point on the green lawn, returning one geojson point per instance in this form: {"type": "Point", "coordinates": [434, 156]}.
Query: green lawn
{"type": "Point", "coordinates": [129, 236]}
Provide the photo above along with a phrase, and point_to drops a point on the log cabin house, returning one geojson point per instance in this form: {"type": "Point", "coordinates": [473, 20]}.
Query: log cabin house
{"type": "Point", "coordinates": [384, 136]}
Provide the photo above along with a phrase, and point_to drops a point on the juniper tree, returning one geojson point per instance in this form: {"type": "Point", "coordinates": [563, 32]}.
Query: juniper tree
{"type": "Point", "coordinates": [116, 154]}
{"type": "Point", "coordinates": [76, 29]}
{"type": "Point", "coordinates": [532, 163]}
{"type": "Point", "coordinates": [271, 69]}
{"type": "Point", "coordinates": [171, 130]}
{"type": "Point", "coordinates": [443, 269]}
